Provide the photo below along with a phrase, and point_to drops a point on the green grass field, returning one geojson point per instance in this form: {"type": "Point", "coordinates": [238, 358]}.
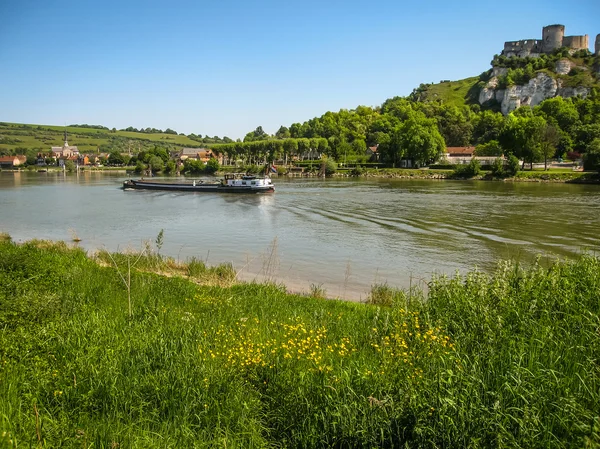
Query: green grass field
{"type": "Point", "coordinates": [503, 360]}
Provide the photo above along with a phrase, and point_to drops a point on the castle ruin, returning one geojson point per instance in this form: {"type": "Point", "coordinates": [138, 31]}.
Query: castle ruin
{"type": "Point", "coordinates": [553, 38]}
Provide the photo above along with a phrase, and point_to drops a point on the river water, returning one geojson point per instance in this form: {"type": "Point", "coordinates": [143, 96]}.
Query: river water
{"type": "Point", "coordinates": [343, 235]}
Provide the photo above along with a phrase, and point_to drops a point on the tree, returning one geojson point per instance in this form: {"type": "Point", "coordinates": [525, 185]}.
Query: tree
{"type": "Point", "coordinates": [498, 167]}
{"type": "Point", "coordinates": [455, 126]}
{"type": "Point", "coordinates": [256, 135]}
{"type": "Point", "coordinates": [115, 158]}
{"type": "Point", "coordinates": [156, 164]}
{"type": "Point", "coordinates": [212, 165]}
{"type": "Point", "coordinates": [193, 166]}
{"type": "Point", "coordinates": [487, 126]}
{"type": "Point", "coordinates": [491, 148]}
{"type": "Point", "coordinates": [513, 165]}
{"type": "Point", "coordinates": [550, 139]}
{"type": "Point", "coordinates": [283, 133]}
{"type": "Point", "coordinates": [420, 138]}
{"type": "Point", "coordinates": [533, 133]}
{"type": "Point", "coordinates": [522, 136]}
{"type": "Point", "coordinates": [170, 166]}
{"type": "Point", "coordinates": [290, 148]}
{"type": "Point", "coordinates": [563, 111]}
{"type": "Point", "coordinates": [140, 167]}
{"type": "Point", "coordinates": [591, 158]}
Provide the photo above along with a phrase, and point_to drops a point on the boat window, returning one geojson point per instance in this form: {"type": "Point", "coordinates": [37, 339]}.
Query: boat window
{"type": "Point", "coordinates": [253, 183]}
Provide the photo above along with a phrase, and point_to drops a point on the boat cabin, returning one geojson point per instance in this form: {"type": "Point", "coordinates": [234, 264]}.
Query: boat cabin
{"type": "Point", "coordinates": [243, 180]}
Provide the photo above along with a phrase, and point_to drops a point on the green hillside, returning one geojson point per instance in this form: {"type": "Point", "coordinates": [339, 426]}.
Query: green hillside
{"type": "Point", "coordinates": [454, 93]}
{"type": "Point", "coordinates": [20, 138]}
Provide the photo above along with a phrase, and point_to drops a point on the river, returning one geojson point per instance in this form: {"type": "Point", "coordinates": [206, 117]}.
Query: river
{"type": "Point", "coordinates": [343, 235]}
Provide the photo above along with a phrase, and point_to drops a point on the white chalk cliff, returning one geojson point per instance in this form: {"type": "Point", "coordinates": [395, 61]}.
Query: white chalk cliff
{"type": "Point", "coordinates": [538, 89]}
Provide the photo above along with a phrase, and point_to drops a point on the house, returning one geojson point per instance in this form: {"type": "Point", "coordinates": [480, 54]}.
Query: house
{"type": "Point", "coordinates": [200, 154]}
{"type": "Point", "coordinates": [459, 155]}
{"type": "Point", "coordinates": [464, 155]}
{"type": "Point", "coordinates": [205, 155]}
{"type": "Point", "coordinates": [12, 161]}
{"type": "Point", "coordinates": [83, 159]}
{"type": "Point", "coordinates": [188, 153]}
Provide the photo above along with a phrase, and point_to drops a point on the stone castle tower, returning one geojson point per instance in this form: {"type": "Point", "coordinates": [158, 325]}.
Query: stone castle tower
{"type": "Point", "coordinates": [552, 38]}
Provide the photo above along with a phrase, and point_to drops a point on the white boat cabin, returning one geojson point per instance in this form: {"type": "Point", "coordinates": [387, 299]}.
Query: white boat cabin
{"type": "Point", "coordinates": [243, 180]}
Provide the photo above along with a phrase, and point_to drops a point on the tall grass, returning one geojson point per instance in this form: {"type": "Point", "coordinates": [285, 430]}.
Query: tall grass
{"type": "Point", "coordinates": [503, 360]}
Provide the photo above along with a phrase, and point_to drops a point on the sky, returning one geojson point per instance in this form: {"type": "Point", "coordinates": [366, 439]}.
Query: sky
{"type": "Point", "coordinates": [225, 67]}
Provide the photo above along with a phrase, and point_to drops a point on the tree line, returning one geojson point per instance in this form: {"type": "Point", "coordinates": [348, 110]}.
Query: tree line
{"type": "Point", "coordinates": [403, 128]}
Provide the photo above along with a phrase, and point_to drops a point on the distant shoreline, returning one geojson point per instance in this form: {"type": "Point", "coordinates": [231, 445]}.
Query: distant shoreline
{"type": "Point", "coordinates": [575, 177]}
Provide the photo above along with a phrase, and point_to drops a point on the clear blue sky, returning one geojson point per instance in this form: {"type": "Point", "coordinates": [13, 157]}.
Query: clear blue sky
{"type": "Point", "coordinates": [226, 67]}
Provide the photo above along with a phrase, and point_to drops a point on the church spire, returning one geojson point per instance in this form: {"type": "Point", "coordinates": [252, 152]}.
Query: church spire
{"type": "Point", "coordinates": [66, 143]}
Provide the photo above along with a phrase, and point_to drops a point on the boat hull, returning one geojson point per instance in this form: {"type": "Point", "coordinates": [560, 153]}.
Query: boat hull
{"type": "Point", "coordinates": [190, 187]}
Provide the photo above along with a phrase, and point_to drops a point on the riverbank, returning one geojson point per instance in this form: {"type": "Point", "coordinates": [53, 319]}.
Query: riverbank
{"type": "Point", "coordinates": [522, 176]}
{"type": "Point", "coordinates": [94, 354]}
{"type": "Point", "coordinates": [566, 176]}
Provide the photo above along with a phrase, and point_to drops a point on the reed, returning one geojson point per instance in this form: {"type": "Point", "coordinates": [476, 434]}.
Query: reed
{"type": "Point", "coordinates": [508, 359]}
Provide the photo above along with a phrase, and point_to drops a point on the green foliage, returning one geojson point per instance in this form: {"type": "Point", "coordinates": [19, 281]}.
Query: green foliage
{"type": "Point", "coordinates": [193, 166]}
{"type": "Point", "coordinates": [491, 148]}
{"type": "Point", "coordinates": [115, 158]}
{"type": "Point", "coordinates": [498, 167]}
{"type": "Point", "coordinates": [156, 164]}
{"type": "Point", "coordinates": [591, 159]}
{"type": "Point", "coordinates": [170, 167]}
{"type": "Point", "coordinates": [140, 167]}
{"type": "Point", "coordinates": [469, 170]}
{"type": "Point", "coordinates": [330, 167]}
{"type": "Point", "coordinates": [513, 165]}
{"type": "Point", "coordinates": [357, 171]}
{"type": "Point", "coordinates": [70, 166]}
{"type": "Point", "coordinates": [212, 165]}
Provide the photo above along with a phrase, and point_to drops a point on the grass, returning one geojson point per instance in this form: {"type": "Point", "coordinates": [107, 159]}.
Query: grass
{"type": "Point", "coordinates": [558, 176]}
{"type": "Point", "coordinates": [455, 93]}
{"type": "Point", "coordinates": [502, 360]}
{"type": "Point", "coordinates": [552, 175]}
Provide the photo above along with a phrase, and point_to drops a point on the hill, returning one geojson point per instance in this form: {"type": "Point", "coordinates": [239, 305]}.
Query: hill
{"type": "Point", "coordinates": [454, 93]}
{"type": "Point", "coordinates": [23, 138]}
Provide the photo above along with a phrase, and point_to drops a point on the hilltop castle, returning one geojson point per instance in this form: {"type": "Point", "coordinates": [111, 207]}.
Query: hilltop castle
{"type": "Point", "coordinates": [553, 38]}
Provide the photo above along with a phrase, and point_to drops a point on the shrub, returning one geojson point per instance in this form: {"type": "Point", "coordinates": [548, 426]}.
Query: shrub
{"type": "Point", "coordinates": [193, 166]}
{"type": "Point", "coordinates": [513, 165]}
{"type": "Point", "coordinates": [140, 167]}
{"type": "Point", "coordinates": [470, 170]}
{"type": "Point", "coordinates": [330, 167]}
{"type": "Point", "coordinates": [357, 171]}
{"type": "Point", "coordinates": [498, 167]}
{"type": "Point", "coordinates": [212, 165]}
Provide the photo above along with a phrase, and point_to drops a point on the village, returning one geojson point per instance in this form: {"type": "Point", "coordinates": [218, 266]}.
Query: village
{"type": "Point", "coordinates": [66, 156]}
